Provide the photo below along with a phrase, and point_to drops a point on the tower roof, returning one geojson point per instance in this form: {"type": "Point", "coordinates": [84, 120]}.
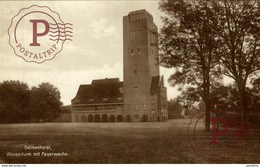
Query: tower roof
{"type": "Point", "coordinates": [139, 15]}
{"type": "Point", "coordinates": [140, 11]}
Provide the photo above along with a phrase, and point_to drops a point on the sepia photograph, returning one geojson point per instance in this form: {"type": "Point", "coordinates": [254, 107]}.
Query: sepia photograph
{"type": "Point", "coordinates": [130, 82]}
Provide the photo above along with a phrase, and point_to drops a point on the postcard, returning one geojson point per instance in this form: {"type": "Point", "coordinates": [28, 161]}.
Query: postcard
{"type": "Point", "coordinates": [130, 82]}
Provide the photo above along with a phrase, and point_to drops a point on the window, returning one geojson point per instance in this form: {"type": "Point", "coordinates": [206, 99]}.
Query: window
{"type": "Point", "coordinates": [120, 98]}
{"type": "Point", "coordinates": [132, 52]}
{"type": "Point", "coordinates": [135, 71]}
{"type": "Point", "coordinates": [91, 100]}
{"type": "Point", "coordinates": [136, 107]}
{"type": "Point", "coordinates": [144, 107]}
{"type": "Point", "coordinates": [121, 89]}
{"type": "Point", "coordinates": [139, 51]}
{"type": "Point", "coordinates": [105, 99]}
{"type": "Point", "coordinates": [152, 51]}
{"type": "Point", "coordinates": [136, 116]}
{"type": "Point", "coordinates": [128, 107]}
{"type": "Point", "coordinates": [136, 87]}
{"type": "Point", "coordinates": [128, 118]}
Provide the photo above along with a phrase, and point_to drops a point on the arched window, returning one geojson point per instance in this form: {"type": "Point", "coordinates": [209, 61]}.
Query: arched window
{"type": "Point", "coordinates": [138, 51]}
{"type": "Point", "coordinates": [83, 118]}
{"type": "Point", "coordinates": [104, 118]}
{"type": "Point", "coordinates": [76, 118]}
{"type": "Point", "coordinates": [119, 118]}
{"type": "Point", "coordinates": [97, 118]}
{"type": "Point", "coordinates": [144, 118]}
{"type": "Point", "coordinates": [132, 52]}
{"type": "Point", "coordinates": [136, 116]}
{"type": "Point", "coordinates": [112, 118]}
{"type": "Point", "coordinates": [128, 118]}
{"type": "Point", "coordinates": [90, 118]}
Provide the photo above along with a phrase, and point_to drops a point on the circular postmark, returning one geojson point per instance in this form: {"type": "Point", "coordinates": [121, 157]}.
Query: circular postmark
{"type": "Point", "coordinates": [226, 136]}
{"type": "Point", "coordinates": [37, 34]}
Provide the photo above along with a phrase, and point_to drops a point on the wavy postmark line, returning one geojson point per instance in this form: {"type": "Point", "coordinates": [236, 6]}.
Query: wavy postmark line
{"type": "Point", "coordinates": [10, 35]}
{"type": "Point", "coordinates": [67, 39]}
{"type": "Point", "coordinates": [61, 31]}
{"type": "Point", "coordinates": [61, 24]}
{"type": "Point", "coordinates": [54, 28]}
{"type": "Point", "coordinates": [61, 35]}
{"type": "Point", "coordinates": [66, 35]}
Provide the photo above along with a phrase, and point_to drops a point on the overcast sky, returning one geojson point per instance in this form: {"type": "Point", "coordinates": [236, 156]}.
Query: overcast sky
{"type": "Point", "coordinates": [96, 51]}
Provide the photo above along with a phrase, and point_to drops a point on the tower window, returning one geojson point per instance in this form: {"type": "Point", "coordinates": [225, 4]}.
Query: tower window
{"type": "Point", "coordinates": [135, 71]}
{"type": "Point", "coordinates": [136, 107]}
{"type": "Point", "coordinates": [144, 107]}
{"type": "Point", "coordinates": [152, 51]}
{"type": "Point", "coordinates": [128, 107]}
{"type": "Point", "coordinates": [132, 52]}
{"type": "Point", "coordinates": [139, 51]}
{"type": "Point", "coordinates": [136, 87]}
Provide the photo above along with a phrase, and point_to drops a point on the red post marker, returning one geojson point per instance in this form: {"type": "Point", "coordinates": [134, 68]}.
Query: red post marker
{"type": "Point", "coordinates": [36, 34]}
{"type": "Point", "coordinates": [216, 133]}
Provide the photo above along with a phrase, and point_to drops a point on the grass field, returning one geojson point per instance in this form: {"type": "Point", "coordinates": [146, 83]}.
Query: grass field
{"type": "Point", "coordinates": [111, 143]}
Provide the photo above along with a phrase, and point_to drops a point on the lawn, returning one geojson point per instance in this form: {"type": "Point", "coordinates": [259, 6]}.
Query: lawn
{"type": "Point", "coordinates": [115, 143]}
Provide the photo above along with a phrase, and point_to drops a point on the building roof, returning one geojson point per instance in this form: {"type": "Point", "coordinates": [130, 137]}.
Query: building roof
{"type": "Point", "coordinates": [100, 91]}
{"type": "Point", "coordinates": [157, 82]}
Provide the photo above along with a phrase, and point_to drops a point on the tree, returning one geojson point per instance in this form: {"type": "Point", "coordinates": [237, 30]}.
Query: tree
{"type": "Point", "coordinates": [174, 109]}
{"type": "Point", "coordinates": [238, 29]}
{"type": "Point", "coordinates": [45, 104]}
{"type": "Point", "coordinates": [188, 44]}
{"type": "Point", "coordinates": [14, 102]}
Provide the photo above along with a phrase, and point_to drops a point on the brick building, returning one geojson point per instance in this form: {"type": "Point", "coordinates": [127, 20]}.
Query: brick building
{"type": "Point", "coordinates": [142, 96]}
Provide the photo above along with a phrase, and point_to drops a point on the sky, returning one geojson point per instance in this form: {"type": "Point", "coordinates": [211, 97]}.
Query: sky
{"type": "Point", "coordinates": [96, 51]}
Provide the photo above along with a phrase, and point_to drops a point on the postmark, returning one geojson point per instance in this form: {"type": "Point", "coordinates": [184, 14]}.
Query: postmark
{"type": "Point", "coordinates": [227, 134]}
{"type": "Point", "coordinates": [37, 34]}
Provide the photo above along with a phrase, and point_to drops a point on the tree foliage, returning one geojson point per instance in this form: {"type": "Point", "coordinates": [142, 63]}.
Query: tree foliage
{"type": "Point", "coordinates": [45, 102]}
{"type": "Point", "coordinates": [189, 44]}
{"type": "Point", "coordinates": [238, 29]}
{"type": "Point", "coordinates": [14, 100]}
{"type": "Point", "coordinates": [18, 103]}
{"type": "Point", "coordinates": [204, 40]}
{"type": "Point", "coordinates": [174, 109]}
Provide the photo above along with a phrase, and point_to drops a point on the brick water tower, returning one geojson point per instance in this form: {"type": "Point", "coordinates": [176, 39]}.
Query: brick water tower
{"type": "Point", "coordinates": [145, 97]}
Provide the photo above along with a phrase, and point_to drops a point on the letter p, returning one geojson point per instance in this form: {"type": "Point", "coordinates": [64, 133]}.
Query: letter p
{"type": "Point", "coordinates": [214, 130]}
{"type": "Point", "coordinates": [36, 34]}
